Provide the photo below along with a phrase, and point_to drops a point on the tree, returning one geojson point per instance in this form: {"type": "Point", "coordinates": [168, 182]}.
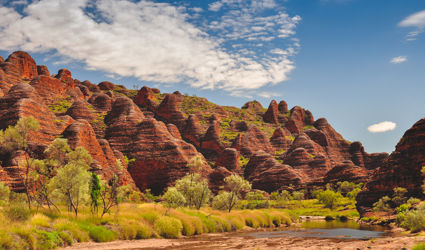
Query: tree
{"type": "Point", "coordinates": [382, 204]}
{"type": "Point", "coordinates": [71, 183]}
{"type": "Point", "coordinates": [298, 195]}
{"type": "Point", "coordinates": [95, 189]}
{"type": "Point", "coordinates": [16, 138]}
{"type": "Point", "coordinates": [195, 190]}
{"type": "Point", "coordinates": [4, 193]}
{"type": "Point", "coordinates": [173, 198]}
{"type": "Point", "coordinates": [329, 198]}
{"type": "Point", "coordinates": [399, 196]}
{"type": "Point", "coordinates": [228, 199]}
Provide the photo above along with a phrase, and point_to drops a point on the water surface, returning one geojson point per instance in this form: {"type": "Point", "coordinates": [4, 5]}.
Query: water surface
{"type": "Point", "coordinates": [326, 229]}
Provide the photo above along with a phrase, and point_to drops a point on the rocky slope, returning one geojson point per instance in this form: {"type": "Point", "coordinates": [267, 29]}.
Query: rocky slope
{"type": "Point", "coordinates": [401, 169]}
{"type": "Point", "coordinates": [274, 148]}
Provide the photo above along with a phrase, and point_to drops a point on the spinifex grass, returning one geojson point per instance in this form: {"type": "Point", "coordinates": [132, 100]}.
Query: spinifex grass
{"type": "Point", "coordinates": [48, 229]}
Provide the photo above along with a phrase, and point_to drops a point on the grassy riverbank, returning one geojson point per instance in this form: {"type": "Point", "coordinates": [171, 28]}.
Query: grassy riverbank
{"type": "Point", "coordinates": [47, 229]}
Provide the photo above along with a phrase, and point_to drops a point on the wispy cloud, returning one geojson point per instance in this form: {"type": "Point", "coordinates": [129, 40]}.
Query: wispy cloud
{"type": "Point", "coordinates": [417, 21]}
{"type": "Point", "coordinates": [158, 42]}
{"type": "Point", "coordinates": [267, 95]}
{"type": "Point", "coordinates": [398, 59]}
{"type": "Point", "coordinates": [382, 127]}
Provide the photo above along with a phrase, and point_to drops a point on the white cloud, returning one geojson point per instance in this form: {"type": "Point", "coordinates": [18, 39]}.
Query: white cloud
{"type": "Point", "coordinates": [382, 127]}
{"type": "Point", "coordinates": [268, 95]}
{"type": "Point", "coordinates": [417, 21]}
{"type": "Point", "coordinates": [398, 59]}
{"type": "Point", "coordinates": [148, 40]}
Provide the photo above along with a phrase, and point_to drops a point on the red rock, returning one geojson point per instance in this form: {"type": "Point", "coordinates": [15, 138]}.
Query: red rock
{"type": "Point", "coordinates": [265, 173]}
{"type": "Point", "coordinates": [253, 107]}
{"type": "Point", "coordinates": [25, 63]}
{"type": "Point", "coordinates": [229, 159]}
{"type": "Point", "coordinates": [145, 98]}
{"type": "Point", "coordinates": [192, 131]}
{"type": "Point", "coordinates": [79, 111]}
{"type": "Point", "coordinates": [272, 113]}
{"type": "Point", "coordinates": [10, 75]}
{"type": "Point", "coordinates": [169, 111]}
{"type": "Point", "coordinates": [210, 143]}
{"type": "Point", "coordinates": [239, 125]}
{"type": "Point", "coordinates": [84, 90]}
{"type": "Point", "coordinates": [105, 85]}
{"type": "Point", "coordinates": [156, 91]}
{"type": "Point", "coordinates": [347, 171]}
{"type": "Point", "coordinates": [81, 134]}
{"type": "Point", "coordinates": [1, 59]}
{"type": "Point", "coordinates": [308, 118]}
{"type": "Point", "coordinates": [174, 131]}
{"type": "Point", "coordinates": [65, 76]}
{"type": "Point", "coordinates": [401, 169]}
{"type": "Point", "coordinates": [281, 139]}
{"type": "Point", "coordinates": [22, 101]}
{"type": "Point", "coordinates": [216, 178]}
{"type": "Point", "coordinates": [251, 141]}
{"type": "Point", "coordinates": [161, 158]}
{"type": "Point", "coordinates": [49, 88]}
{"type": "Point", "coordinates": [92, 87]}
{"type": "Point", "coordinates": [283, 107]}
{"type": "Point", "coordinates": [101, 101]}
{"type": "Point", "coordinates": [42, 70]}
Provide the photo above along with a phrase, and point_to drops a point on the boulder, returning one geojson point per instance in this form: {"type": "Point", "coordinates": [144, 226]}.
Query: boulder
{"type": "Point", "coordinates": [272, 113]}
{"type": "Point", "coordinates": [25, 64]}
{"type": "Point", "coordinates": [229, 159]}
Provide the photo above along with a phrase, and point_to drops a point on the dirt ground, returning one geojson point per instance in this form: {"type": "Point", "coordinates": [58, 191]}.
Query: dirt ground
{"type": "Point", "coordinates": [238, 241]}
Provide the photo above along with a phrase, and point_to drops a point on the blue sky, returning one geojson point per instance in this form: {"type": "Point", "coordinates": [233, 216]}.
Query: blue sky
{"type": "Point", "coordinates": [355, 62]}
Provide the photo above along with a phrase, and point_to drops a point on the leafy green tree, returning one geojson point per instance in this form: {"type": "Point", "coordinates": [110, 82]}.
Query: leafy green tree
{"type": "Point", "coordinates": [329, 198]}
{"type": "Point", "coordinates": [195, 190]}
{"type": "Point", "coordinates": [16, 138]}
{"type": "Point", "coordinates": [71, 182]}
{"type": "Point", "coordinates": [298, 195]}
{"type": "Point", "coordinates": [382, 204]}
{"type": "Point", "coordinates": [399, 196]}
{"type": "Point", "coordinates": [285, 195]}
{"type": "Point", "coordinates": [173, 198]}
{"type": "Point", "coordinates": [228, 199]}
{"type": "Point", "coordinates": [4, 194]}
{"type": "Point", "coordinates": [255, 196]}
{"type": "Point", "coordinates": [95, 189]}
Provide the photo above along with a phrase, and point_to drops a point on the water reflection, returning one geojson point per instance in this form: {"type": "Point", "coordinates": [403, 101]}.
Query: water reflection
{"type": "Point", "coordinates": [328, 230]}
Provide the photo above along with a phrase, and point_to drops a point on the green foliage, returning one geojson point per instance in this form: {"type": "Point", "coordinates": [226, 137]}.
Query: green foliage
{"type": "Point", "coordinates": [298, 195]}
{"type": "Point", "coordinates": [100, 234]}
{"type": "Point", "coordinates": [255, 196]}
{"type": "Point", "coordinates": [382, 204]}
{"type": "Point", "coordinates": [225, 201]}
{"type": "Point", "coordinates": [168, 227]}
{"type": "Point", "coordinates": [4, 194]}
{"type": "Point", "coordinates": [346, 187]}
{"type": "Point", "coordinates": [61, 105]}
{"type": "Point", "coordinates": [194, 189]}
{"type": "Point", "coordinates": [128, 161]}
{"type": "Point", "coordinates": [17, 212]}
{"type": "Point", "coordinates": [284, 195]}
{"type": "Point", "coordinates": [413, 201]}
{"type": "Point", "coordinates": [329, 198]}
{"type": "Point", "coordinates": [95, 189]}
{"type": "Point", "coordinates": [71, 182]}
{"type": "Point", "coordinates": [308, 127]}
{"type": "Point", "coordinates": [173, 198]}
{"type": "Point", "coordinates": [399, 196]}
{"type": "Point", "coordinates": [243, 161]}
{"type": "Point", "coordinates": [228, 200]}
{"type": "Point", "coordinates": [414, 220]}
{"type": "Point", "coordinates": [420, 246]}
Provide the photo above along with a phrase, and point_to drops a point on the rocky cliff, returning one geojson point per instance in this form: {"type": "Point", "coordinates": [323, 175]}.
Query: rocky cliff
{"type": "Point", "coordinates": [159, 133]}
{"type": "Point", "coordinates": [401, 169]}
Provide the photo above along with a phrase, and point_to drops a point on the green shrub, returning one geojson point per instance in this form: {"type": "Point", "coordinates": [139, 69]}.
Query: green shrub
{"type": "Point", "coordinates": [420, 246]}
{"type": "Point", "coordinates": [17, 212]}
{"type": "Point", "coordinates": [100, 234]}
{"type": "Point", "coordinates": [40, 220]}
{"type": "Point", "coordinates": [414, 220]}
{"type": "Point", "coordinates": [168, 227]}
{"type": "Point", "coordinates": [4, 194]}
{"type": "Point", "coordinates": [64, 225]}
{"type": "Point", "coordinates": [66, 238]}
{"type": "Point", "coordinates": [329, 198]}
{"type": "Point", "coordinates": [26, 234]}
{"type": "Point", "coordinates": [382, 204]}
{"type": "Point", "coordinates": [150, 216]}
{"type": "Point", "coordinates": [48, 240]}
{"type": "Point", "coordinates": [297, 195]}
{"type": "Point", "coordinates": [413, 201]}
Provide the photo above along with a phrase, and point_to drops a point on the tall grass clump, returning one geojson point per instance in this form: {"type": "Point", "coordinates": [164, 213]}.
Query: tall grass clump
{"type": "Point", "coordinates": [168, 227]}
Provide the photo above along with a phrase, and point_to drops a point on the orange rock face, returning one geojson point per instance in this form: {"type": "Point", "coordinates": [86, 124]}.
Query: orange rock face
{"type": "Point", "coordinates": [25, 63]}
{"type": "Point", "coordinates": [252, 141]}
{"type": "Point", "coordinates": [272, 113]}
